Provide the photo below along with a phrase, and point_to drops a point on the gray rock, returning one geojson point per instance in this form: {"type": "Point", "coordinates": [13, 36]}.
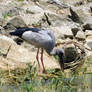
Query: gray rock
{"type": "Point", "coordinates": [88, 24]}
{"type": "Point", "coordinates": [89, 0]}
{"type": "Point", "coordinates": [75, 27]}
{"type": "Point", "coordinates": [89, 42]}
{"type": "Point", "coordinates": [2, 31]}
{"type": "Point", "coordinates": [5, 43]}
{"type": "Point", "coordinates": [15, 22]}
{"type": "Point", "coordinates": [14, 11]}
{"type": "Point", "coordinates": [6, 64]}
{"type": "Point", "coordinates": [75, 15]}
{"type": "Point", "coordinates": [1, 22]}
{"type": "Point", "coordinates": [81, 15]}
{"type": "Point", "coordinates": [33, 9]}
{"type": "Point", "coordinates": [75, 2]}
{"type": "Point", "coordinates": [75, 30]}
{"type": "Point", "coordinates": [8, 9]}
{"type": "Point", "coordinates": [88, 32]}
{"type": "Point", "coordinates": [33, 19]}
{"type": "Point", "coordinates": [57, 19]}
{"type": "Point", "coordinates": [58, 3]}
{"type": "Point", "coordinates": [62, 31]}
{"type": "Point", "coordinates": [80, 35]}
{"type": "Point", "coordinates": [23, 55]}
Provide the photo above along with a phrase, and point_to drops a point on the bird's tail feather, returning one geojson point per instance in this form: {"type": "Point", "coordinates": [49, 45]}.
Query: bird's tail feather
{"type": "Point", "coordinates": [12, 33]}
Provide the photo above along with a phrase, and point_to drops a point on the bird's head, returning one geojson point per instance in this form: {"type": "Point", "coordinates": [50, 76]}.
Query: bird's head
{"type": "Point", "coordinates": [59, 54]}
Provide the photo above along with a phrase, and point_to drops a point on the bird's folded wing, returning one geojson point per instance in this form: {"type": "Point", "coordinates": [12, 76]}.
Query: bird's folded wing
{"type": "Point", "coordinates": [36, 39]}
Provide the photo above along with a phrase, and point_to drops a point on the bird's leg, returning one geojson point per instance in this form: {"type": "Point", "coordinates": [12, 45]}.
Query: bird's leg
{"type": "Point", "coordinates": [42, 61]}
{"type": "Point", "coordinates": [38, 61]}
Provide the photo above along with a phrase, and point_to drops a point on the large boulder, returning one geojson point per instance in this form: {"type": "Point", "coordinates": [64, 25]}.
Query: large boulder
{"type": "Point", "coordinates": [80, 35]}
{"type": "Point", "coordinates": [88, 32]}
{"type": "Point", "coordinates": [33, 9]}
{"type": "Point", "coordinates": [15, 22]}
{"type": "Point", "coordinates": [5, 43]}
{"type": "Point", "coordinates": [33, 19]}
{"type": "Point", "coordinates": [24, 20]}
{"type": "Point", "coordinates": [88, 43]}
{"type": "Point", "coordinates": [6, 64]}
{"type": "Point", "coordinates": [62, 31]}
{"type": "Point", "coordinates": [88, 24]}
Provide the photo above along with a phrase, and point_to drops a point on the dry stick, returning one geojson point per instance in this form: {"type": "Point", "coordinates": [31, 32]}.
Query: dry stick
{"type": "Point", "coordinates": [57, 44]}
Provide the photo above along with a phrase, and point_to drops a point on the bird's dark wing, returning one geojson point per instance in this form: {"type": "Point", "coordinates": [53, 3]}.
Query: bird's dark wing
{"type": "Point", "coordinates": [28, 29]}
{"type": "Point", "coordinates": [20, 31]}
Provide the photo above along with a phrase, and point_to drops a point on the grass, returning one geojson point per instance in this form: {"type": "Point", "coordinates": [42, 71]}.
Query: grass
{"type": "Point", "coordinates": [30, 80]}
{"type": "Point", "coordinates": [5, 15]}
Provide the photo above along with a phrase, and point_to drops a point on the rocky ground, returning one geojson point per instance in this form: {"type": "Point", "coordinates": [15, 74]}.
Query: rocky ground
{"type": "Point", "coordinates": [70, 20]}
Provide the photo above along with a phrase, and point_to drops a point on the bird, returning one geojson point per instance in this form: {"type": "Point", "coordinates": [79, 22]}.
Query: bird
{"type": "Point", "coordinates": [43, 39]}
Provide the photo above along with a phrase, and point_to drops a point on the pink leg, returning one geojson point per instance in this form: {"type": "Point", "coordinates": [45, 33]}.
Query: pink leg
{"type": "Point", "coordinates": [38, 61]}
{"type": "Point", "coordinates": [42, 61]}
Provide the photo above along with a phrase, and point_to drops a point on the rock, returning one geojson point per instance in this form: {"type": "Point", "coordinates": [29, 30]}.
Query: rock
{"type": "Point", "coordinates": [62, 31]}
{"type": "Point", "coordinates": [14, 11]}
{"type": "Point", "coordinates": [6, 64]}
{"type": "Point", "coordinates": [33, 9]}
{"type": "Point", "coordinates": [88, 32]}
{"type": "Point", "coordinates": [66, 31]}
{"type": "Point", "coordinates": [89, 0]}
{"type": "Point", "coordinates": [77, 15]}
{"type": "Point", "coordinates": [5, 43]}
{"type": "Point", "coordinates": [81, 15]}
{"type": "Point", "coordinates": [20, 54]}
{"type": "Point", "coordinates": [57, 19]}
{"type": "Point", "coordinates": [7, 10]}
{"type": "Point", "coordinates": [15, 22]}
{"type": "Point", "coordinates": [33, 19]}
{"type": "Point", "coordinates": [14, 61]}
{"type": "Point", "coordinates": [58, 3]}
{"type": "Point", "coordinates": [80, 35]}
{"type": "Point", "coordinates": [75, 28]}
{"type": "Point", "coordinates": [2, 31]}
{"type": "Point", "coordinates": [89, 42]}
{"type": "Point", "coordinates": [24, 20]}
{"type": "Point", "coordinates": [57, 32]}
{"type": "Point", "coordinates": [72, 2]}
{"type": "Point", "coordinates": [88, 24]}
{"type": "Point", "coordinates": [1, 22]}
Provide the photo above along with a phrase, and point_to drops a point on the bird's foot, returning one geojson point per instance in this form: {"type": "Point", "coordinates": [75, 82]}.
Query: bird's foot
{"type": "Point", "coordinates": [44, 71]}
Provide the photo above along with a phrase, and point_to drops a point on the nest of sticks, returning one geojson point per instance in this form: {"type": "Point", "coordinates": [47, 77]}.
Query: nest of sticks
{"type": "Point", "coordinates": [80, 57]}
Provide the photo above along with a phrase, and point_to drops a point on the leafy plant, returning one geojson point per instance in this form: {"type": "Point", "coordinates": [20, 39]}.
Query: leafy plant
{"type": "Point", "coordinates": [4, 15]}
